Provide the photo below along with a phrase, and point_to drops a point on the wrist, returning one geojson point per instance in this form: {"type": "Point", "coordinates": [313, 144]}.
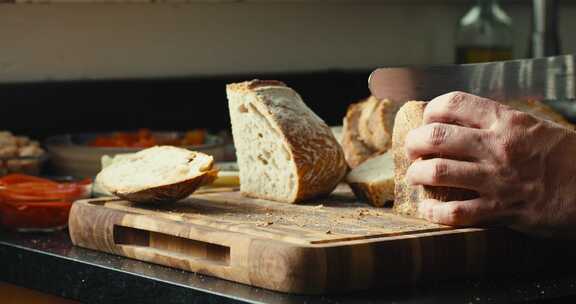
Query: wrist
{"type": "Point", "coordinates": [560, 179]}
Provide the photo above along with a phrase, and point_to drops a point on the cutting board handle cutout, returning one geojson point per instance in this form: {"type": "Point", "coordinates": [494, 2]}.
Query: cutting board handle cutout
{"type": "Point", "coordinates": [169, 246]}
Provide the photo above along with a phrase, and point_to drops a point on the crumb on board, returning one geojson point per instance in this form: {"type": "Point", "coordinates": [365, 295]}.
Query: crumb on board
{"type": "Point", "coordinates": [368, 212]}
{"type": "Point", "coordinates": [264, 224]}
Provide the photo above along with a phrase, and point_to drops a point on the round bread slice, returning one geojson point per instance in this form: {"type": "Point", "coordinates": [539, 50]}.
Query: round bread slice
{"type": "Point", "coordinates": [355, 150]}
{"type": "Point", "coordinates": [376, 123]}
{"type": "Point", "coordinates": [373, 180]}
{"type": "Point", "coordinates": [158, 174]}
{"type": "Point", "coordinates": [367, 129]}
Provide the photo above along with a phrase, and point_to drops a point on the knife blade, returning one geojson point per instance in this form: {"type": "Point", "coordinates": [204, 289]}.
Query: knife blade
{"type": "Point", "coordinates": [547, 79]}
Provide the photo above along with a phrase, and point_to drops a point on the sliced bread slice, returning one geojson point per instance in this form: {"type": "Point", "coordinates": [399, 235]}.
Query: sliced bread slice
{"type": "Point", "coordinates": [355, 150]}
{"type": "Point", "coordinates": [408, 196]}
{"type": "Point", "coordinates": [158, 174]}
{"type": "Point", "coordinates": [376, 123]}
{"type": "Point", "coordinates": [285, 152]}
{"type": "Point", "coordinates": [368, 129]}
{"type": "Point", "coordinates": [373, 180]}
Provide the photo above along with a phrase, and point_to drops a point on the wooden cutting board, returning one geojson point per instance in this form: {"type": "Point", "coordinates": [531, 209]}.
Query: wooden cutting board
{"type": "Point", "coordinates": [328, 245]}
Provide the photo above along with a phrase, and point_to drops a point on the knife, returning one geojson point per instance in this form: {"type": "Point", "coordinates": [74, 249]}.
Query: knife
{"type": "Point", "coordinates": [547, 79]}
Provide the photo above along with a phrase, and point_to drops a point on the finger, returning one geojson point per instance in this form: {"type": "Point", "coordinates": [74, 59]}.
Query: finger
{"type": "Point", "coordinates": [448, 173]}
{"type": "Point", "coordinates": [463, 109]}
{"type": "Point", "coordinates": [460, 213]}
{"type": "Point", "coordinates": [444, 139]}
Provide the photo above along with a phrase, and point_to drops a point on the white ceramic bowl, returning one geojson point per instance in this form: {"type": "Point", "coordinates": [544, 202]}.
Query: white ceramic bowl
{"type": "Point", "coordinates": [70, 155]}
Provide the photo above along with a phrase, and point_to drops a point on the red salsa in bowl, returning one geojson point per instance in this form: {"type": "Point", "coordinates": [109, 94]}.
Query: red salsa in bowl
{"type": "Point", "coordinates": [29, 203]}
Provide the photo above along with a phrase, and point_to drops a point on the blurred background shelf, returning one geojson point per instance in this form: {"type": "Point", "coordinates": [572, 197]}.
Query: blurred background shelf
{"type": "Point", "coordinates": [89, 67]}
{"type": "Point", "coordinates": [101, 41]}
{"type": "Point", "coordinates": [564, 2]}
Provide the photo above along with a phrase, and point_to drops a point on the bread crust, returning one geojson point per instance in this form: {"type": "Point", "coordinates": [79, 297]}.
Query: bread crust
{"type": "Point", "coordinates": [540, 110]}
{"type": "Point", "coordinates": [408, 196]}
{"type": "Point", "coordinates": [368, 129]}
{"type": "Point", "coordinates": [355, 150]}
{"type": "Point", "coordinates": [317, 156]}
{"type": "Point", "coordinates": [169, 193]}
{"type": "Point", "coordinates": [376, 123]}
{"type": "Point", "coordinates": [371, 135]}
{"type": "Point", "coordinates": [377, 193]}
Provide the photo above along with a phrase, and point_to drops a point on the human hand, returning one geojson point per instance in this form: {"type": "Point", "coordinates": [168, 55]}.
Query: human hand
{"type": "Point", "coordinates": [523, 168]}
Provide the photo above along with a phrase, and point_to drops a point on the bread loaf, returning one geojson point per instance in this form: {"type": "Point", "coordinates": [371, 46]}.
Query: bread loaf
{"type": "Point", "coordinates": [540, 110]}
{"type": "Point", "coordinates": [285, 152]}
{"type": "Point", "coordinates": [408, 196]}
{"type": "Point", "coordinates": [368, 129]}
{"type": "Point", "coordinates": [355, 150]}
{"type": "Point", "coordinates": [373, 180]}
{"type": "Point", "coordinates": [158, 174]}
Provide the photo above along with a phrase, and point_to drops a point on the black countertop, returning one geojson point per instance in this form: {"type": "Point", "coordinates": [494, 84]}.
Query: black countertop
{"type": "Point", "coordinates": [50, 263]}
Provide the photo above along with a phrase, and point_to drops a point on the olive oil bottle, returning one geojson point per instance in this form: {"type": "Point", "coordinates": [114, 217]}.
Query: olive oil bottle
{"type": "Point", "coordinates": [545, 38]}
{"type": "Point", "coordinates": [484, 34]}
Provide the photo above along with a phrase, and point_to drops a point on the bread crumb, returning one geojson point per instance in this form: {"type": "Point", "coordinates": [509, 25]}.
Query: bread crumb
{"type": "Point", "coordinates": [264, 224]}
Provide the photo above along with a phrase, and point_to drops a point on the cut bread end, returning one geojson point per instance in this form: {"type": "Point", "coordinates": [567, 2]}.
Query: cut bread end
{"type": "Point", "coordinates": [285, 152]}
{"type": "Point", "coordinates": [373, 180]}
{"type": "Point", "coordinates": [408, 196]}
{"type": "Point", "coordinates": [158, 174]}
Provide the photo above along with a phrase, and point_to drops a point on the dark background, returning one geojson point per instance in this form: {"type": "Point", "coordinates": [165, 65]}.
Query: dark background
{"type": "Point", "coordinates": [43, 109]}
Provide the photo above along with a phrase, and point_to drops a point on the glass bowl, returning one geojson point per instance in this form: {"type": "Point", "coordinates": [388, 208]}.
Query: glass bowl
{"type": "Point", "coordinates": [34, 216]}
{"type": "Point", "coordinates": [29, 205]}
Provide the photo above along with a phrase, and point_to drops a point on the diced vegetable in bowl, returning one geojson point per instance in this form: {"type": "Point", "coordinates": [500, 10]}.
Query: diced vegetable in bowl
{"type": "Point", "coordinates": [20, 154]}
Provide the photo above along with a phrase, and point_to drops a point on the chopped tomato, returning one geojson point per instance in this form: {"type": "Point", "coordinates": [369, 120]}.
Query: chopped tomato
{"type": "Point", "coordinates": [195, 137]}
{"type": "Point", "coordinates": [144, 138]}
